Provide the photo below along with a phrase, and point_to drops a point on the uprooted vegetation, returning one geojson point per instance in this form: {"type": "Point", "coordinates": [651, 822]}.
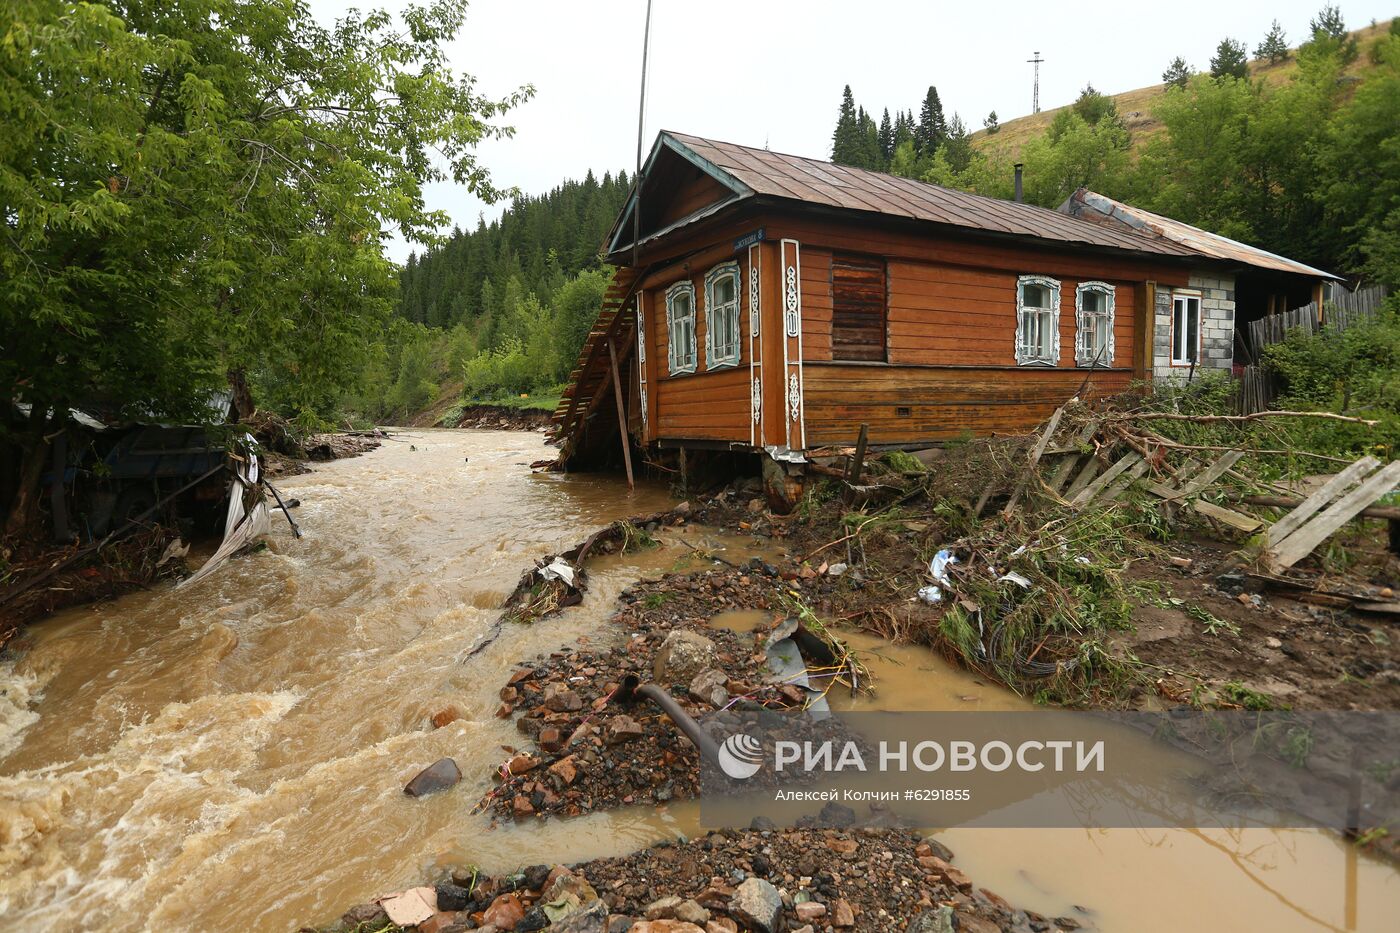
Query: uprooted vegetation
{"type": "Point", "coordinates": [1104, 560]}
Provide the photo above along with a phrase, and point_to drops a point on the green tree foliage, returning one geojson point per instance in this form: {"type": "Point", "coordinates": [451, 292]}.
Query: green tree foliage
{"type": "Point", "coordinates": [1177, 73]}
{"type": "Point", "coordinates": [1095, 108]}
{"type": "Point", "coordinates": [1240, 158]}
{"type": "Point", "coordinates": [886, 138]}
{"type": "Point", "coordinates": [957, 148]}
{"type": "Point", "coordinates": [932, 128]}
{"type": "Point", "coordinates": [1359, 173]}
{"type": "Point", "coordinates": [991, 123]}
{"type": "Point", "coordinates": [846, 143]}
{"type": "Point", "coordinates": [1329, 35]}
{"type": "Point", "coordinates": [1356, 371]}
{"type": "Point", "coordinates": [196, 187]}
{"type": "Point", "coordinates": [1230, 60]}
{"type": "Point", "coordinates": [1274, 48]}
{"type": "Point", "coordinates": [540, 241]}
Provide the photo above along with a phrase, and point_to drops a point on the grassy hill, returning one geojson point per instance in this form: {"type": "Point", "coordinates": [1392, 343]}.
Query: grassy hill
{"type": "Point", "coordinates": [1136, 106]}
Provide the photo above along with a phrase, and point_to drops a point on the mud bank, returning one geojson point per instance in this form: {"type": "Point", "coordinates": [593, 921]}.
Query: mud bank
{"type": "Point", "coordinates": [501, 418]}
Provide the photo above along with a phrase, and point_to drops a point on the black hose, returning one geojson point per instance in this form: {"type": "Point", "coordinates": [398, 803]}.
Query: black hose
{"type": "Point", "coordinates": [631, 689]}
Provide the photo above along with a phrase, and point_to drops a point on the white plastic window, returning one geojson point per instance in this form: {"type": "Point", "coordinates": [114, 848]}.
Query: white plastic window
{"type": "Point", "coordinates": [1186, 329]}
{"type": "Point", "coordinates": [722, 316]}
{"type": "Point", "coordinates": [680, 325]}
{"type": "Point", "coordinates": [1037, 321]}
{"type": "Point", "coordinates": [1093, 340]}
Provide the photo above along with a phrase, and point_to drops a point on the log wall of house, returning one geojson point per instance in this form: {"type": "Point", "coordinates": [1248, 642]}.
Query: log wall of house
{"type": "Point", "coordinates": [703, 405]}
{"type": "Point", "coordinates": [951, 335]}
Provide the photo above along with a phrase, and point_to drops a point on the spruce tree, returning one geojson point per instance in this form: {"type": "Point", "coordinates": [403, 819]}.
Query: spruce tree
{"type": "Point", "coordinates": [1230, 61]}
{"type": "Point", "coordinates": [1177, 73]}
{"type": "Point", "coordinates": [1274, 47]}
{"type": "Point", "coordinates": [845, 141]}
{"type": "Point", "coordinates": [932, 128]}
{"type": "Point", "coordinates": [991, 123]}
{"type": "Point", "coordinates": [886, 137]}
{"type": "Point", "coordinates": [957, 148]}
{"type": "Point", "coordinates": [1329, 22]}
{"type": "Point", "coordinates": [1329, 32]}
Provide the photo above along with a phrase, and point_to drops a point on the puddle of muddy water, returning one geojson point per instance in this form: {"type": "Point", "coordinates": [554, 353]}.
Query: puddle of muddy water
{"type": "Point", "coordinates": [1129, 880]}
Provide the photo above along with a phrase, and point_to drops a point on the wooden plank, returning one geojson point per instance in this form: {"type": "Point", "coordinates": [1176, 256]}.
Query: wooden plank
{"type": "Point", "coordinates": [1066, 464]}
{"type": "Point", "coordinates": [1035, 456]}
{"type": "Point", "coordinates": [1209, 475]}
{"type": "Point", "coordinates": [1300, 543]}
{"type": "Point", "coordinates": [1082, 478]}
{"type": "Point", "coordinates": [1314, 503]}
{"type": "Point", "coordinates": [621, 417]}
{"type": "Point", "coordinates": [1062, 472]}
{"type": "Point", "coordinates": [1087, 494]}
{"type": "Point", "coordinates": [1121, 484]}
{"type": "Point", "coordinates": [1246, 523]}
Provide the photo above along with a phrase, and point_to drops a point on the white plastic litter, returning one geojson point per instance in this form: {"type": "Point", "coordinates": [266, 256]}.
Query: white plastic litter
{"type": "Point", "coordinates": [558, 569]}
{"type": "Point", "coordinates": [247, 518]}
{"type": "Point", "coordinates": [938, 569]}
{"type": "Point", "coordinates": [1016, 578]}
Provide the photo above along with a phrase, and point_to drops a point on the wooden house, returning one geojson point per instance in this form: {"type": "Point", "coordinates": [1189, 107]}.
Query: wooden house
{"type": "Point", "coordinates": [771, 303]}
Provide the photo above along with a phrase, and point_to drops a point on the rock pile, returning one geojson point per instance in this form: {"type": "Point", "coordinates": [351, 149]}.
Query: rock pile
{"type": "Point", "coordinates": [749, 881]}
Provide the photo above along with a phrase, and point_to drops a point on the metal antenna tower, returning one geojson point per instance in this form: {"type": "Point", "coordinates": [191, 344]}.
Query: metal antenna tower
{"type": "Point", "coordinates": [1035, 96]}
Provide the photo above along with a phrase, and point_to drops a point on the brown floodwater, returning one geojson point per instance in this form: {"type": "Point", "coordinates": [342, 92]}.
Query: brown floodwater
{"type": "Point", "coordinates": [231, 756]}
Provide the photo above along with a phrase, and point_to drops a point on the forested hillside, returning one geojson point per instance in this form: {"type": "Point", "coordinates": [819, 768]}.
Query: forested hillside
{"type": "Point", "coordinates": [500, 311]}
{"type": "Point", "coordinates": [1296, 151]}
{"type": "Point", "coordinates": [537, 243]}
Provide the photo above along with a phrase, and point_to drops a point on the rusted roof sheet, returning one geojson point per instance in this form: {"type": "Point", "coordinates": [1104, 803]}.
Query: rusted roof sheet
{"type": "Point", "coordinates": [1097, 208]}
{"type": "Point", "coordinates": [759, 172]}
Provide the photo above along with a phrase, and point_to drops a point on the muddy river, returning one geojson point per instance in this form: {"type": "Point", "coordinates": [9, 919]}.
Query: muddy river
{"type": "Point", "coordinates": [231, 756]}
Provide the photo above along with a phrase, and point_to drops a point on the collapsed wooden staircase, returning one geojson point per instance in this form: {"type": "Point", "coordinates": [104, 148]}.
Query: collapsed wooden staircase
{"type": "Point", "coordinates": [590, 383]}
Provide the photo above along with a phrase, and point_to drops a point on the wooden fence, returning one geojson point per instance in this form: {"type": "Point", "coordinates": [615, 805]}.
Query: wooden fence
{"type": "Point", "coordinates": [1258, 386]}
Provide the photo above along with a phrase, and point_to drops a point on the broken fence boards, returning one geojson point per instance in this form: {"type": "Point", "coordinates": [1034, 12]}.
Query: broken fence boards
{"type": "Point", "coordinates": [1036, 454]}
{"type": "Point", "coordinates": [1314, 503]}
{"type": "Point", "coordinates": [1087, 494]}
{"type": "Point", "coordinates": [1246, 523]}
{"type": "Point", "coordinates": [1210, 474]}
{"type": "Point", "coordinates": [1301, 542]}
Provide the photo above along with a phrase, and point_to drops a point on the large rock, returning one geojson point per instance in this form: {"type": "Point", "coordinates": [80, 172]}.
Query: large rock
{"type": "Point", "coordinates": [505, 912]}
{"type": "Point", "coordinates": [757, 903]}
{"type": "Point", "coordinates": [934, 921]}
{"type": "Point", "coordinates": [590, 919]}
{"type": "Point", "coordinates": [437, 776]}
{"type": "Point", "coordinates": [683, 655]}
{"type": "Point", "coordinates": [709, 687]}
{"type": "Point", "coordinates": [567, 895]}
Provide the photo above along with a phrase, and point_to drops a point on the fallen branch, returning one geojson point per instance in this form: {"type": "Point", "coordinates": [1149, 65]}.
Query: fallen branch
{"type": "Point", "coordinates": [1236, 419]}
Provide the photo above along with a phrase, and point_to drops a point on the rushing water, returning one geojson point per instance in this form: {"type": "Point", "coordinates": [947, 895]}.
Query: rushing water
{"type": "Point", "coordinates": [231, 756]}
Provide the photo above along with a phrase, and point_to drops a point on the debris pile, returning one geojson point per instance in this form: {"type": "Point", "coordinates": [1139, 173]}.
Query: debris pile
{"type": "Point", "coordinates": [758, 880]}
{"type": "Point", "coordinates": [592, 752]}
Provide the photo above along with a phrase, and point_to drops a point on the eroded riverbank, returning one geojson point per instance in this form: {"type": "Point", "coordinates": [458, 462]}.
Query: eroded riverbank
{"type": "Point", "coordinates": [233, 757]}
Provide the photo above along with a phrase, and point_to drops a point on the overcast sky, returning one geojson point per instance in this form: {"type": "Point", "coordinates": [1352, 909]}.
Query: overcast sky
{"type": "Point", "coordinates": [770, 72]}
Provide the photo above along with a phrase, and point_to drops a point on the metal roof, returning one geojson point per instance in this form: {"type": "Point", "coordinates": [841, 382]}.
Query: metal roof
{"type": "Point", "coordinates": [1097, 208]}
{"type": "Point", "coordinates": [750, 172]}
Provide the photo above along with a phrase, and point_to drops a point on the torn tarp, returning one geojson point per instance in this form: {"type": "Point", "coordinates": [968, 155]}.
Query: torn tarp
{"type": "Point", "coordinates": [247, 519]}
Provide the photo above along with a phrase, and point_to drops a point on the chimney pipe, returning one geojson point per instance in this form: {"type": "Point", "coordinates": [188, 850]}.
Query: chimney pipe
{"type": "Point", "coordinates": [1020, 194]}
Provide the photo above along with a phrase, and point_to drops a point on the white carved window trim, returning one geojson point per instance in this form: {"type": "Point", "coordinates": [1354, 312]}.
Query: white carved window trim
{"type": "Point", "coordinates": [1085, 354]}
{"type": "Point", "coordinates": [722, 317]}
{"type": "Point", "coordinates": [680, 329]}
{"type": "Point", "coordinates": [1033, 320]}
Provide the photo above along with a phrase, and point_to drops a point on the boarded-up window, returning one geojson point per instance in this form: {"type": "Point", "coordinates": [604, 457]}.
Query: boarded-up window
{"type": "Point", "coordinates": [857, 308]}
